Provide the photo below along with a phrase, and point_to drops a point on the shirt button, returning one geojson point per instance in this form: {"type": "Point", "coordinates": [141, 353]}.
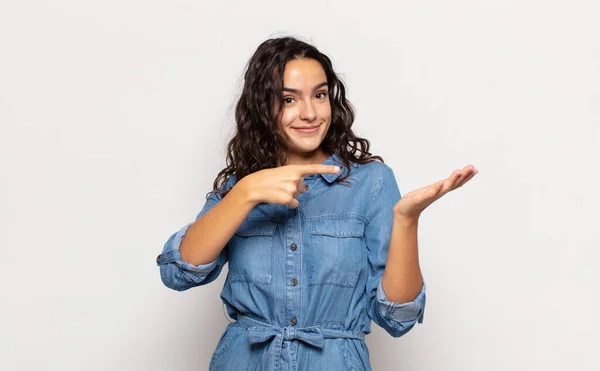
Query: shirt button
{"type": "Point", "coordinates": [306, 186]}
{"type": "Point", "coordinates": [294, 212]}
{"type": "Point", "coordinates": [294, 282]}
{"type": "Point", "coordinates": [293, 321]}
{"type": "Point", "coordinates": [158, 259]}
{"type": "Point", "coordinates": [294, 247]}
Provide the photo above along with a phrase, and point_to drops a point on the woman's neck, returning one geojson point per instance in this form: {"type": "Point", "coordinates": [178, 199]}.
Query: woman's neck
{"type": "Point", "coordinates": [315, 157]}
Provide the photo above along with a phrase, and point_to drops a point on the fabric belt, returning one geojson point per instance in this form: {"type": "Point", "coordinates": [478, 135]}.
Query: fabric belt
{"type": "Point", "coordinates": [260, 332]}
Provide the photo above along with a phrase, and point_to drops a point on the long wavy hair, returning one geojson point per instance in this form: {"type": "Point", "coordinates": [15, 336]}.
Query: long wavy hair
{"type": "Point", "coordinates": [259, 143]}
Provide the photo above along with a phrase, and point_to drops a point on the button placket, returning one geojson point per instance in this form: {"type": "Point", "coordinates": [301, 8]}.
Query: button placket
{"type": "Point", "coordinates": [293, 264]}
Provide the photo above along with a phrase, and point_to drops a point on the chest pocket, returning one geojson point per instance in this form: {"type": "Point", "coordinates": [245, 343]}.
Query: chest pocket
{"type": "Point", "coordinates": [251, 250]}
{"type": "Point", "coordinates": [337, 251]}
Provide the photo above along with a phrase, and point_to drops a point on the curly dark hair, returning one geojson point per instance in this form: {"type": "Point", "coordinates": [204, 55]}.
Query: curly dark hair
{"type": "Point", "coordinates": [259, 143]}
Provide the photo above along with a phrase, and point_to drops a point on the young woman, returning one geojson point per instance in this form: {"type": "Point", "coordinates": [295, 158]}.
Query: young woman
{"type": "Point", "coordinates": [317, 237]}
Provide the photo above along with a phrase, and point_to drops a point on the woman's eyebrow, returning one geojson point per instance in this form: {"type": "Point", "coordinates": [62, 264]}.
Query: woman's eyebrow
{"type": "Point", "coordinates": [296, 91]}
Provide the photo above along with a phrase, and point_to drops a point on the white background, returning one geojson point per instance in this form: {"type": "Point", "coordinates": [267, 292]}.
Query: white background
{"type": "Point", "coordinates": [114, 117]}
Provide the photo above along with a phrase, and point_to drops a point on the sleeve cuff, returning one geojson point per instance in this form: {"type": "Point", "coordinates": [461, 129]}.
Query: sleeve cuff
{"type": "Point", "coordinates": [409, 311]}
{"type": "Point", "coordinates": [171, 254]}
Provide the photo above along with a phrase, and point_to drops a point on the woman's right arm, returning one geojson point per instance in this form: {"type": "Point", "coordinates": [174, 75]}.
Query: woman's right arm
{"type": "Point", "coordinates": [207, 236]}
{"type": "Point", "coordinates": [196, 254]}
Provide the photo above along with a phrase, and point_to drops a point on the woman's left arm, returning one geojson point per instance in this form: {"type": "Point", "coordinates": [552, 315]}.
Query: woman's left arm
{"type": "Point", "coordinates": [402, 280]}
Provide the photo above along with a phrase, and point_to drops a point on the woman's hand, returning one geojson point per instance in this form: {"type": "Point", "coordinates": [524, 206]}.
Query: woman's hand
{"type": "Point", "coordinates": [282, 185]}
{"type": "Point", "coordinates": [413, 203]}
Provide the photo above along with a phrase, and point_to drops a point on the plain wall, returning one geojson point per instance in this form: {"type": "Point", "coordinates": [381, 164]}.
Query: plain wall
{"type": "Point", "coordinates": [114, 118]}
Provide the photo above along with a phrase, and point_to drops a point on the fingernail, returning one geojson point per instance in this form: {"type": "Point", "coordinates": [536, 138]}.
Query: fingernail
{"type": "Point", "coordinates": [336, 168]}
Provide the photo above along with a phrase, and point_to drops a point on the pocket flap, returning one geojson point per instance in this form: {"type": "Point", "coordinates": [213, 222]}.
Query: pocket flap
{"type": "Point", "coordinates": [256, 227]}
{"type": "Point", "coordinates": [349, 227]}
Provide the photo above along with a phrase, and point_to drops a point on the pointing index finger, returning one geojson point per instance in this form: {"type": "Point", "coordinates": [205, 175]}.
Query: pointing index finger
{"type": "Point", "coordinates": [318, 169]}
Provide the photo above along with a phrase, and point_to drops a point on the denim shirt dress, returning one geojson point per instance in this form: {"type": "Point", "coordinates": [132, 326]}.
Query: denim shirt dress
{"type": "Point", "coordinates": [304, 284]}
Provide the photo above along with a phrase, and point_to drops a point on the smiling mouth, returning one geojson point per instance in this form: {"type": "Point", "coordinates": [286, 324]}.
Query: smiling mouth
{"type": "Point", "coordinates": [309, 130]}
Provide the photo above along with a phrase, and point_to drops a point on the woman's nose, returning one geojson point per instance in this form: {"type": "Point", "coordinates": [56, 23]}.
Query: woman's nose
{"type": "Point", "coordinates": [308, 112]}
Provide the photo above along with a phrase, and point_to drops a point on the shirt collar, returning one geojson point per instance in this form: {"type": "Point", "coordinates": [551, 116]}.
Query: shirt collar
{"type": "Point", "coordinates": [334, 160]}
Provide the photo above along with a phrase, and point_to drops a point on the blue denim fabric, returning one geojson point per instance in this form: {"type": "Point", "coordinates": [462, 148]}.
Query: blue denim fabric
{"type": "Point", "coordinates": [303, 285]}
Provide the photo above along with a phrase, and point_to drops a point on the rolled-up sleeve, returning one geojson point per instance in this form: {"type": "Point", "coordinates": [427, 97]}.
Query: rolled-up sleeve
{"type": "Point", "coordinates": [400, 318]}
{"type": "Point", "coordinates": [180, 275]}
{"type": "Point", "coordinates": [396, 318]}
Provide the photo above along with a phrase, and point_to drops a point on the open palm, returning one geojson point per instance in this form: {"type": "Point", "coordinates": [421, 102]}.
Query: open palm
{"type": "Point", "coordinates": [413, 203]}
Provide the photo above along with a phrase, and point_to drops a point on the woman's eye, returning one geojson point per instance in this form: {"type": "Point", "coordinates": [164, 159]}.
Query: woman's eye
{"type": "Point", "coordinates": [288, 100]}
{"type": "Point", "coordinates": [321, 95]}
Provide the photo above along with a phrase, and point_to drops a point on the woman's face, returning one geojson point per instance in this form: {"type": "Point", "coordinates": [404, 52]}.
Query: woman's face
{"type": "Point", "coordinates": [306, 113]}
